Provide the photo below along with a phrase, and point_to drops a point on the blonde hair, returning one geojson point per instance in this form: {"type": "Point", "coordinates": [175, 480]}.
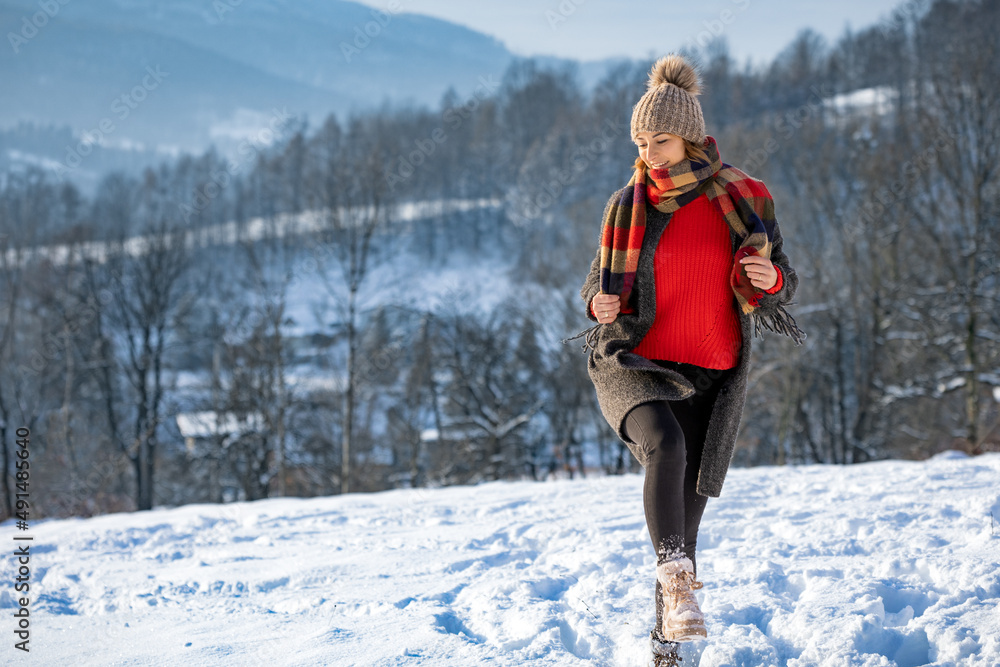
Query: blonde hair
{"type": "Point", "coordinates": [692, 151]}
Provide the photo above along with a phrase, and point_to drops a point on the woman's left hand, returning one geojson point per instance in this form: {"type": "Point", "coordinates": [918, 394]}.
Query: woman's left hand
{"type": "Point", "coordinates": [761, 272]}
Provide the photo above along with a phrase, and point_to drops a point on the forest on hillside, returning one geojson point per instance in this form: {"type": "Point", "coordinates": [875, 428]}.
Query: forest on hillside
{"type": "Point", "coordinates": [153, 363]}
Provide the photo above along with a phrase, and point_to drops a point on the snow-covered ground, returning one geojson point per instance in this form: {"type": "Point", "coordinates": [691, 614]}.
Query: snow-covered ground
{"type": "Point", "coordinates": [876, 564]}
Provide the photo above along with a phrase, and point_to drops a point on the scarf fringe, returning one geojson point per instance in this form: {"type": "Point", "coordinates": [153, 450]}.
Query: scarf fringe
{"type": "Point", "coordinates": [591, 337]}
{"type": "Point", "coordinates": [780, 321]}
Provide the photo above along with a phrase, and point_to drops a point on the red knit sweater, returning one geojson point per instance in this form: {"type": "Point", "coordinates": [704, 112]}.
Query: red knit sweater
{"type": "Point", "coordinates": [696, 320]}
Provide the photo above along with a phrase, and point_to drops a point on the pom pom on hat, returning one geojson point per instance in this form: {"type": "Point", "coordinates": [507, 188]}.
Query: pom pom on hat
{"type": "Point", "coordinates": [674, 69]}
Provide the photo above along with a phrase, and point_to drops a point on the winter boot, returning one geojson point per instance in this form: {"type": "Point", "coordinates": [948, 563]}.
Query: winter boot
{"type": "Point", "coordinates": [682, 618]}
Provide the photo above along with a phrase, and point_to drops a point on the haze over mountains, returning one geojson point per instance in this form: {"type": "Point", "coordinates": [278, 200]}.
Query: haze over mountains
{"type": "Point", "coordinates": [254, 56]}
{"type": "Point", "coordinates": [155, 79]}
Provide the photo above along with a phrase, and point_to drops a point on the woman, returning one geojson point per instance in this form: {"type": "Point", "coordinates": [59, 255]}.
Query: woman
{"type": "Point", "coordinates": [676, 306]}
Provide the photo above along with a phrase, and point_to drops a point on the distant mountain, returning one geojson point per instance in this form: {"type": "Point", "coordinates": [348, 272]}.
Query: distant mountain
{"type": "Point", "coordinates": [258, 55]}
{"type": "Point", "coordinates": [178, 76]}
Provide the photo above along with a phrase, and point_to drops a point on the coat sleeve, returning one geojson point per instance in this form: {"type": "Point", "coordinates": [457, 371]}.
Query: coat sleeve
{"type": "Point", "coordinates": [592, 285]}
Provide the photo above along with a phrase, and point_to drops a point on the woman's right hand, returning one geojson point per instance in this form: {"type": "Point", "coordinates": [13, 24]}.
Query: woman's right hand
{"type": "Point", "coordinates": [605, 307]}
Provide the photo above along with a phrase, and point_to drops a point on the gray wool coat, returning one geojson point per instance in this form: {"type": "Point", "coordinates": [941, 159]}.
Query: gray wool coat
{"type": "Point", "coordinates": [624, 379]}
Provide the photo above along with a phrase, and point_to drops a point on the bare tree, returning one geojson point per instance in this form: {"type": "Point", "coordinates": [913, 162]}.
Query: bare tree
{"type": "Point", "coordinates": [23, 212]}
{"type": "Point", "coordinates": [492, 396]}
{"type": "Point", "coordinates": [146, 281]}
{"type": "Point", "coordinates": [958, 209]}
{"type": "Point", "coordinates": [271, 270]}
{"type": "Point", "coordinates": [346, 186]}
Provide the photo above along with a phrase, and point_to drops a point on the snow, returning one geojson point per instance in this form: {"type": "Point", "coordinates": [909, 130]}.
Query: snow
{"type": "Point", "coordinates": [884, 563]}
{"type": "Point", "coordinates": [208, 423]}
{"type": "Point", "coordinates": [878, 99]}
{"type": "Point", "coordinates": [464, 284]}
{"type": "Point", "coordinates": [255, 229]}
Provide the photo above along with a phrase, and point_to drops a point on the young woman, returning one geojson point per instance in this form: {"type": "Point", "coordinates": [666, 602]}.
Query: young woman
{"type": "Point", "coordinates": [689, 267]}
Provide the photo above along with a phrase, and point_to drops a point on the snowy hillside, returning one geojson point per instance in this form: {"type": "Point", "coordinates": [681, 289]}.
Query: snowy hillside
{"type": "Point", "coordinates": [876, 564]}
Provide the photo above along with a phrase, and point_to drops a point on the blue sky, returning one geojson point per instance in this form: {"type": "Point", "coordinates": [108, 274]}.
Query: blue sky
{"type": "Point", "coordinates": [596, 29]}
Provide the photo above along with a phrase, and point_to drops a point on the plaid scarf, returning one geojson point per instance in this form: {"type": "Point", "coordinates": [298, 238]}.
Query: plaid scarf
{"type": "Point", "coordinates": [743, 201]}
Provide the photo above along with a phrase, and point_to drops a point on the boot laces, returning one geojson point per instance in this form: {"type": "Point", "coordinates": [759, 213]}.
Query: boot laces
{"type": "Point", "coordinates": [681, 588]}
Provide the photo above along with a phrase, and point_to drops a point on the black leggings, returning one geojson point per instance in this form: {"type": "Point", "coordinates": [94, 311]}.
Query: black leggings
{"type": "Point", "coordinates": [672, 435]}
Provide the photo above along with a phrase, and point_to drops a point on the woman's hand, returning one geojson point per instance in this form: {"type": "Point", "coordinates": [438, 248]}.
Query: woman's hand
{"type": "Point", "coordinates": [760, 271]}
{"type": "Point", "coordinates": [606, 307]}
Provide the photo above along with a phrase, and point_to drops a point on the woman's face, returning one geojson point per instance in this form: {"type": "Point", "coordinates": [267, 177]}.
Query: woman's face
{"type": "Point", "coordinates": [660, 150]}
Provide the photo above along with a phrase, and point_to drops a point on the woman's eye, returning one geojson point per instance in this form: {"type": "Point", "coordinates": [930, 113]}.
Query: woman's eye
{"type": "Point", "coordinates": [662, 142]}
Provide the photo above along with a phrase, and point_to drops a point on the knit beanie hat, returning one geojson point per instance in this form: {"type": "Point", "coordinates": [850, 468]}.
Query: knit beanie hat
{"type": "Point", "coordinates": [670, 103]}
